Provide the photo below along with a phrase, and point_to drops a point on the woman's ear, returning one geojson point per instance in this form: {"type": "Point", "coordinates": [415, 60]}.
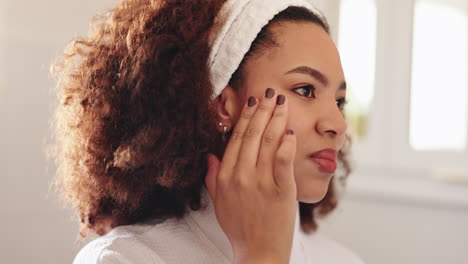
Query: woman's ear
{"type": "Point", "coordinates": [228, 107]}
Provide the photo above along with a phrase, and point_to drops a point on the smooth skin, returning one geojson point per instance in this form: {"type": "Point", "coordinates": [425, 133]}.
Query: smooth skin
{"type": "Point", "coordinates": [264, 172]}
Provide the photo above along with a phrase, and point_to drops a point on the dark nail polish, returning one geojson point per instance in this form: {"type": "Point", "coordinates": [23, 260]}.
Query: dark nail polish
{"type": "Point", "coordinates": [251, 101]}
{"type": "Point", "coordinates": [290, 132]}
{"type": "Point", "coordinates": [269, 93]}
{"type": "Point", "coordinates": [280, 99]}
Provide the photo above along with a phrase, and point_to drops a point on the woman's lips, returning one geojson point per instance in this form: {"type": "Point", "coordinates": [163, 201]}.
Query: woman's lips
{"type": "Point", "coordinates": [325, 165]}
{"type": "Point", "coordinates": [325, 159]}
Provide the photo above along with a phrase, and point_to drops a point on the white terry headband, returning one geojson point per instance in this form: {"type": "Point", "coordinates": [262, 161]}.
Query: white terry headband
{"type": "Point", "coordinates": [236, 27]}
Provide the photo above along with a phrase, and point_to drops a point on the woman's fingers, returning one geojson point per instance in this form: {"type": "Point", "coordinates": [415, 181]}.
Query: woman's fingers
{"type": "Point", "coordinates": [256, 138]}
{"type": "Point", "coordinates": [231, 152]}
{"type": "Point", "coordinates": [272, 136]}
{"type": "Point", "coordinates": [236, 184]}
{"type": "Point", "coordinates": [253, 134]}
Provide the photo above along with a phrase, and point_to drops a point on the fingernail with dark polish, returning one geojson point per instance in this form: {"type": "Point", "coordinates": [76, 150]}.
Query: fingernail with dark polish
{"type": "Point", "coordinates": [251, 101]}
{"type": "Point", "coordinates": [269, 93]}
{"type": "Point", "coordinates": [280, 99]}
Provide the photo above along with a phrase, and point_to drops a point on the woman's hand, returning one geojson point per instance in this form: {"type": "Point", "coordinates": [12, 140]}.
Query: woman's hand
{"type": "Point", "coordinates": [253, 189]}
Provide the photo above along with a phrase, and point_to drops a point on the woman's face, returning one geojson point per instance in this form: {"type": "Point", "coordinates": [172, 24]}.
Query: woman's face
{"type": "Point", "coordinates": [314, 113]}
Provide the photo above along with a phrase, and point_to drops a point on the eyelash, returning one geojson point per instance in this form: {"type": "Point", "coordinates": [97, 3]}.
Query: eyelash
{"type": "Point", "coordinates": [310, 87]}
{"type": "Point", "coordinates": [342, 101]}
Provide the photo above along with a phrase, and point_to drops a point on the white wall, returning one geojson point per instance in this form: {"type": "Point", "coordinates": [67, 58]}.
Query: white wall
{"type": "Point", "coordinates": [36, 229]}
{"type": "Point", "coordinates": [387, 218]}
{"type": "Point", "coordinates": [388, 232]}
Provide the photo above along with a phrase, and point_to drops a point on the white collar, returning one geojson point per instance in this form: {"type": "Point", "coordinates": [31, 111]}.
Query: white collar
{"type": "Point", "coordinates": [207, 222]}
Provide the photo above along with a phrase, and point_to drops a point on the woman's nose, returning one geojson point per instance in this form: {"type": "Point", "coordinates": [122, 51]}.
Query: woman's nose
{"type": "Point", "coordinates": [331, 121]}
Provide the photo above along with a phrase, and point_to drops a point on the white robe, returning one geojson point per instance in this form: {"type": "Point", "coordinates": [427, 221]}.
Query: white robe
{"type": "Point", "coordinates": [198, 239]}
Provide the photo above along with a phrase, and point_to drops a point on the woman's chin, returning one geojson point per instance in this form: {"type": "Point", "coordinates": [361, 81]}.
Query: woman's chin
{"type": "Point", "coordinates": [312, 191]}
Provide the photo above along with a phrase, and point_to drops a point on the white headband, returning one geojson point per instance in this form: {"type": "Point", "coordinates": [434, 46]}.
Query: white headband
{"type": "Point", "coordinates": [236, 27]}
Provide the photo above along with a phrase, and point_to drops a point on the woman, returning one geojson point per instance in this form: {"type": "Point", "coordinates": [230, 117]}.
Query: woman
{"type": "Point", "coordinates": [160, 85]}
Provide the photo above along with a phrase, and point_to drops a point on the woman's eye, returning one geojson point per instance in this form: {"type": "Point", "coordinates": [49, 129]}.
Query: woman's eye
{"type": "Point", "coordinates": [341, 103]}
{"type": "Point", "coordinates": [308, 89]}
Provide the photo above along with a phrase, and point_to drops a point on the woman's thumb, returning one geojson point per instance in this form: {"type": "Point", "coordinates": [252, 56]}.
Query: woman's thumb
{"type": "Point", "coordinates": [212, 174]}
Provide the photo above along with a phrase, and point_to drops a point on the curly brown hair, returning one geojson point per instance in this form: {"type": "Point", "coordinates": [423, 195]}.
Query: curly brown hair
{"type": "Point", "coordinates": [134, 123]}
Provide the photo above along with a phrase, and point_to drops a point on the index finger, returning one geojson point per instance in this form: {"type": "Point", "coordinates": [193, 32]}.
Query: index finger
{"type": "Point", "coordinates": [232, 149]}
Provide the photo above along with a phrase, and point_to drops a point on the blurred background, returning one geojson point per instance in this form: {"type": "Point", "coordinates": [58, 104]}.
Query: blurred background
{"type": "Point", "coordinates": [406, 66]}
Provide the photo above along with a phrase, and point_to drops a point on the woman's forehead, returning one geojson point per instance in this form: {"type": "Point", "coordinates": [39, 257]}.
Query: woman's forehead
{"type": "Point", "coordinates": [302, 43]}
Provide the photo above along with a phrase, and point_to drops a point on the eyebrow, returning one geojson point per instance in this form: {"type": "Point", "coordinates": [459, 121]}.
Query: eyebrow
{"type": "Point", "coordinates": [315, 74]}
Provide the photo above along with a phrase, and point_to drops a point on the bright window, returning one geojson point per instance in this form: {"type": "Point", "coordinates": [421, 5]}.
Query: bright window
{"type": "Point", "coordinates": [438, 107]}
{"type": "Point", "coordinates": [357, 43]}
